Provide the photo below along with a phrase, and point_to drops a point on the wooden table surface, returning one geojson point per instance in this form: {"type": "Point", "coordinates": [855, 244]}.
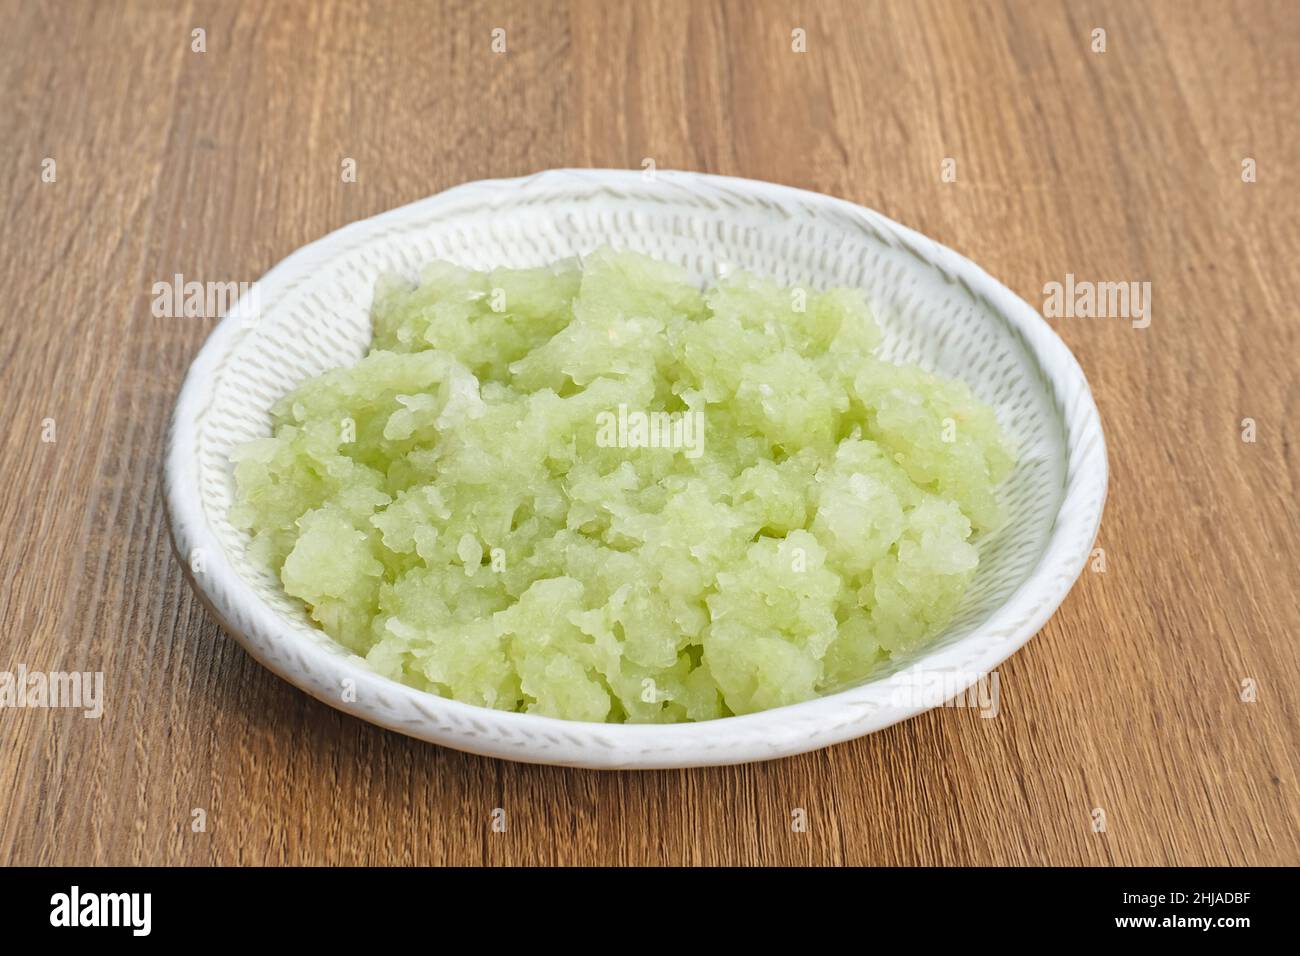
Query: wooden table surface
{"type": "Point", "coordinates": [1123, 165]}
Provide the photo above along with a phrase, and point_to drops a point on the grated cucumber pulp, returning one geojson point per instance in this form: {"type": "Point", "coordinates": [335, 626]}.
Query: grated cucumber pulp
{"type": "Point", "coordinates": [593, 491]}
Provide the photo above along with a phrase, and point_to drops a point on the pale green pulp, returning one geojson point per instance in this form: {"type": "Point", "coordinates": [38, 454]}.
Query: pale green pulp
{"type": "Point", "coordinates": [448, 508]}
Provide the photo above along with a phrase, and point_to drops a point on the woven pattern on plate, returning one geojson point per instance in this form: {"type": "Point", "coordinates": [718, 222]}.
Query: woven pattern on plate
{"type": "Point", "coordinates": [935, 310]}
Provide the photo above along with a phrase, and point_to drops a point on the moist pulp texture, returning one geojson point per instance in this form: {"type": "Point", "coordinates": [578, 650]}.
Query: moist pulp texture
{"type": "Point", "coordinates": [459, 508]}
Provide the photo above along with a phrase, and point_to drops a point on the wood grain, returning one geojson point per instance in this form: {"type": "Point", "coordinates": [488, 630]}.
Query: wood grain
{"type": "Point", "coordinates": [1117, 166]}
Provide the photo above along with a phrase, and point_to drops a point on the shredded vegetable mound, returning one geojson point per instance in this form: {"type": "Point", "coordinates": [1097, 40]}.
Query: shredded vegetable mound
{"type": "Point", "coordinates": [594, 492]}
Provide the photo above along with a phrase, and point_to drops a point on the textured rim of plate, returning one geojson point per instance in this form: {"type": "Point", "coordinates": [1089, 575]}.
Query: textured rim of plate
{"type": "Point", "coordinates": [779, 732]}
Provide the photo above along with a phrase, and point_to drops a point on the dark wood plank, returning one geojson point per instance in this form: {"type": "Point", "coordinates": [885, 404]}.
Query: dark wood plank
{"type": "Point", "coordinates": [1121, 166]}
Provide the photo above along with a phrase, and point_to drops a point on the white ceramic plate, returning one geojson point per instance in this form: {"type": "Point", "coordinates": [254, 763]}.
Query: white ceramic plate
{"type": "Point", "coordinates": [937, 309]}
